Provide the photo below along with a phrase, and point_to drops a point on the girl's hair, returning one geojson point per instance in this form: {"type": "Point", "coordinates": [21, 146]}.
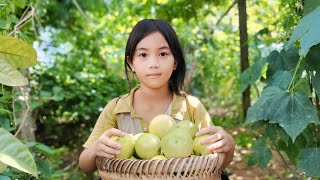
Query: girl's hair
{"type": "Point", "coordinates": [147, 26]}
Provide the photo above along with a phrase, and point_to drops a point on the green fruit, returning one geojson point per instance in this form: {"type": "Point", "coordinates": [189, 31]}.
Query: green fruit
{"type": "Point", "coordinates": [161, 124]}
{"type": "Point", "coordinates": [159, 157]}
{"type": "Point", "coordinates": [201, 149]}
{"type": "Point", "coordinates": [190, 126]}
{"type": "Point", "coordinates": [147, 146]}
{"type": "Point", "coordinates": [127, 144]}
{"type": "Point", "coordinates": [177, 143]}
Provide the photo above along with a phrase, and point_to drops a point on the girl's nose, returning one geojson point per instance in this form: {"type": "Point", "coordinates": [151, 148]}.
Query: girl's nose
{"type": "Point", "coordinates": [154, 63]}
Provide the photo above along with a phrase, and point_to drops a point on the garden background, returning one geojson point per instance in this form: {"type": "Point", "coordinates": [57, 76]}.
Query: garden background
{"type": "Point", "coordinates": [254, 64]}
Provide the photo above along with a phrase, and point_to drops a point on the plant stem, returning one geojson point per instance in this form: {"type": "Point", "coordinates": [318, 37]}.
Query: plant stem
{"type": "Point", "coordinates": [286, 163]}
{"type": "Point", "coordinates": [294, 75]}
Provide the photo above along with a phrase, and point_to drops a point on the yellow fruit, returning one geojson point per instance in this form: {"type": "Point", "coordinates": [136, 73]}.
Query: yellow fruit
{"type": "Point", "coordinates": [161, 124]}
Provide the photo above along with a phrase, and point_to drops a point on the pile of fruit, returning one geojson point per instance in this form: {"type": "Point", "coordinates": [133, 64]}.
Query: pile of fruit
{"type": "Point", "coordinates": [166, 139]}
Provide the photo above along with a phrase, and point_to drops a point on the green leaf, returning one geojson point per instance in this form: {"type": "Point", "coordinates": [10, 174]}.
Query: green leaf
{"type": "Point", "coordinates": [20, 3]}
{"type": "Point", "coordinates": [4, 177]}
{"type": "Point", "coordinates": [17, 52]}
{"type": "Point", "coordinates": [16, 154]}
{"type": "Point", "coordinates": [310, 5]}
{"type": "Point", "coordinates": [309, 162]}
{"type": "Point", "coordinates": [252, 74]}
{"type": "Point", "coordinates": [307, 31]}
{"type": "Point", "coordinates": [285, 60]}
{"type": "Point", "coordinates": [316, 83]}
{"type": "Point", "coordinates": [2, 166]}
{"type": "Point", "coordinates": [44, 167]}
{"type": "Point", "coordinates": [312, 60]}
{"type": "Point", "coordinates": [10, 76]}
{"type": "Point", "coordinates": [291, 110]}
{"type": "Point", "coordinates": [261, 154]}
{"type": "Point", "coordinates": [44, 149]}
{"type": "Point", "coordinates": [281, 79]}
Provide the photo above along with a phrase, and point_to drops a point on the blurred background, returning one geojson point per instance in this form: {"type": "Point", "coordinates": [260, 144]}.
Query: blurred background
{"type": "Point", "coordinates": [80, 48]}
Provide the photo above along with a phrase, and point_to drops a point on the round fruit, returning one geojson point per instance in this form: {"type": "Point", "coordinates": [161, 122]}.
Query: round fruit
{"type": "Point", "coordinates": [159, 157]}
{"type": "Point", "coordinates": [147, 146]}
{"type": "Point", "coordinates": [192, 128]}
{"type": "Point", "coordinates": [127, 144]}
{"type": "Point", "coordinates": [160, 124]}
{"type": "Point", "coordinates": [201, 149]}
{"type": "Point", "coordinates": [177, 143]}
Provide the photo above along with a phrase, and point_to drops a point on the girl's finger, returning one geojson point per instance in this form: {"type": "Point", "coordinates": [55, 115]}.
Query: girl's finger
{"type": "Point", "coordinates": [216, 145]}
{"type": "Point", "coordinates": [211, 139]}
{"type": "Point", "coordinates": [208, 130]}
{"type": "Point", "coordinates": [112, 132]}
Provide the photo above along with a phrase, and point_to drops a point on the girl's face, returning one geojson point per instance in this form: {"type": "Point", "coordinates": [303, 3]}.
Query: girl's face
{"type": "Point", "coordinates": [153, 61]}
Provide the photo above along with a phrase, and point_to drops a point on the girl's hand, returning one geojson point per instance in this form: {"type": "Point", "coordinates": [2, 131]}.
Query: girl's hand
{"type": "Point", "coordinates": [106, 147]}
{"type": "Point", "coordinates": [220, 140]}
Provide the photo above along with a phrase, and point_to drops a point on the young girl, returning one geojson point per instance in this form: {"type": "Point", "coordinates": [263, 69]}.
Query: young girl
{"type": "Point", "coordinates": [154, 55]}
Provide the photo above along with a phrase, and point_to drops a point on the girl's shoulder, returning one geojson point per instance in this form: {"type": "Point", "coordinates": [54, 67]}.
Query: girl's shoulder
{"type": "Point", "coordinates": [190, 99]}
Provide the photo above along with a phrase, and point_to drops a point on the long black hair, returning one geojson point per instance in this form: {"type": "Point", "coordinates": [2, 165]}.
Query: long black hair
{"type": "Point", "coordinates": [147, 26]}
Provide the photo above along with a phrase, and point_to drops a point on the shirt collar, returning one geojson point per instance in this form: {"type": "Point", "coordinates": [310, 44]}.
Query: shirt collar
{"type": "Point", "coordinates": [178, 105]}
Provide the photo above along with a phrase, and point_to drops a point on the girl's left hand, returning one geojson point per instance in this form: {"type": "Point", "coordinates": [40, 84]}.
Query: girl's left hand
{"type": "Point", "coordinates": [220, 141]}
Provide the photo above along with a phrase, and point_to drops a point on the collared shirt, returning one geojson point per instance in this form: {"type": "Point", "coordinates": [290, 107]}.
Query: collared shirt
{"type": "Point", "coordinates": [120, 114]}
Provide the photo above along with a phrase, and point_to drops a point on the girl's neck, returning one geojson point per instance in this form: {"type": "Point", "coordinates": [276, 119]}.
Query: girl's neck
{"type": "Point", "coordinates": [154, 95]}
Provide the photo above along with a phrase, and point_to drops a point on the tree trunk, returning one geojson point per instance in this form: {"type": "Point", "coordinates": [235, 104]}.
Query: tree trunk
{"type": "Point", "coordinates": [244, 54]}
{"type": "Point", "coordinates": [27, 126]}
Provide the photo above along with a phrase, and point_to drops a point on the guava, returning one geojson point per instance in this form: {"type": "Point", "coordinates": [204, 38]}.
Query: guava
{"type": "Point", "coordinates": [161, 124]}
{"type": "Point", "coordinates": [177, 143]}
{"type": "Point", "coordinates": [201, 149]}
{"type": "Point", "coordinates": [127, 145]}
{"type": "Point", "coordinates": [159, 157]}
{"type": "Point", "coordinates": [147, 146]}
{"type": "Point", "coordinates": [192, 128]}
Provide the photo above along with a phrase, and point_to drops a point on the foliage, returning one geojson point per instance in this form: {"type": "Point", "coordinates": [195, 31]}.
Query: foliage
{"type": "Point", "coordinates": [290, 103]}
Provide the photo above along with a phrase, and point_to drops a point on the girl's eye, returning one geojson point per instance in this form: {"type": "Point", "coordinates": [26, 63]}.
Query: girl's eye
{"type": "Point", "coordinates": [163, 54]}
{"type": "Point", "coordinates": [143, 55]}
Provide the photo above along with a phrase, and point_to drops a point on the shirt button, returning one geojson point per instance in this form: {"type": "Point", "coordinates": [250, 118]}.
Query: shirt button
{"type": "Point", "coordinates": [145, 129]}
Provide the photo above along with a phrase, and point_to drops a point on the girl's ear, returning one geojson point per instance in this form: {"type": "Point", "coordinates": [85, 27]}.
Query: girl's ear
{"type": "Point", "coordinates": [130, 64]}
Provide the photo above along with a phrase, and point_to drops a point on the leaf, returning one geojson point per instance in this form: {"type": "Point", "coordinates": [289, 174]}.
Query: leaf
{"type": "Point", "coordinates": [17, 52]}
{"type": "Point", "coordinates": [309, 162]}
{"type": "Point", "coordinates": [261, 154]}
{"type": "Point", "coordinates": [310, 5]}
{"type": "Point", "coordinates": [46, 150]}
{"type": "Point", "coordinates": [291, 110]}
{"type": "Point", "coordinates": [16, 154]}
{"type": "Point", "coordinates": [10, 76]}
{"type": "Point", "coordinates": [316, 83]}
{"type": "Point", "coordinates": [252, 74]}
{"type": "Point", "coordinates": [312, 60]}
{"type": "Point", "coordinates": [2, 166]}
{"type": "Point", "coordinates": [44, 167]}
{"type": "Point", "coordinates": [307, 31]}
{"type": "Point", "coordinates": [4, 177]}
{"type": "Point", "coordinates": [285, 60]}
{"type": "Point", "coordinates": [281, 79]}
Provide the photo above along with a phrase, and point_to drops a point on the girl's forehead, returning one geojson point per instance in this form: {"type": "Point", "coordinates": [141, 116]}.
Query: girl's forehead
{"type": "Point", "coordinates": [153, 40]}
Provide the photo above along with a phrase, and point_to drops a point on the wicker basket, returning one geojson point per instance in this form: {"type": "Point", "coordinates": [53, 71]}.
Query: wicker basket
{"type": "Point", "coordinates": [190, 168]}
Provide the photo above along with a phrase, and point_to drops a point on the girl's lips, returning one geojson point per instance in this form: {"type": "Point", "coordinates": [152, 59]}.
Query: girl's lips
{"type": "Point", "coordinates": [154, 74]}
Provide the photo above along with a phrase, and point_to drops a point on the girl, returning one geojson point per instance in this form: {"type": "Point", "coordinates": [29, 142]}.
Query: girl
{"type": "Point", "coordinates": [154, 55]}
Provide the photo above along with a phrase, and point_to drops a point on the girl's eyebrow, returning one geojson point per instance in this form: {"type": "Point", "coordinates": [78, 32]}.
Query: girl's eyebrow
{"type": "Point", "coordinates": [145, 49]}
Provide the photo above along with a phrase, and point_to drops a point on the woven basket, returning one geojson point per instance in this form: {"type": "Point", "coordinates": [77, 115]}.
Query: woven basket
{"type": "Point", "coordinates": [190, 168]}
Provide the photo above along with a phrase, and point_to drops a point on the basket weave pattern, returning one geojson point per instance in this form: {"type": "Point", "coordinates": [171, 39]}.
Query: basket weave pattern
{"type": "Point", "coordinates": [190, 168]}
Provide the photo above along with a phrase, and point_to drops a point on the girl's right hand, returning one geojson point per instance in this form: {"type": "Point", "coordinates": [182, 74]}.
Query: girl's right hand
{"type": "Point", "coordinates": [106, 147]}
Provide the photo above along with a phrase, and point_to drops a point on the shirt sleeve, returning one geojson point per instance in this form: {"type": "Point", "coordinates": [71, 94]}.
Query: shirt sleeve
{"type": "Point", "coordinates": [200, 114]}
{"type": "Point", "coordinates": [106, 120]}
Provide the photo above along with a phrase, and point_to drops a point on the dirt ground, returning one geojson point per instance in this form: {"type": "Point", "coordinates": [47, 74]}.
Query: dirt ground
{"type": "Point", "coordinates": [276, 169]}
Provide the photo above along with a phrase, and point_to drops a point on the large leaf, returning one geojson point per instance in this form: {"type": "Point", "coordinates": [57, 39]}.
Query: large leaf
{"type": "Point", "coordinates": [252, 74]}
{"type": "Point", "coordinates": [316, 83]}
{"type": "Point", "coordinates": [291, 110]}
{"type": "Point", "coordinates": [16, 154]}
{"type": "Point", "coordinates": [10, 76]}
{"type": "Point", "coordinates": [261, 154]}
{"type": "Point", "coordinates": [283, 60]}
{"type": "Point", "coordinates": [310, 5]}
{"type": "Point", "coordinates": [312, 60]}
{"type": "Point", "coordinates": [309, 161]}
{"type": "Point", "coordinates": [281, 79]}
{"type": "Point", "coordinates": [307, 31]}
{"type": "Point", "coordinates": [17, 52]}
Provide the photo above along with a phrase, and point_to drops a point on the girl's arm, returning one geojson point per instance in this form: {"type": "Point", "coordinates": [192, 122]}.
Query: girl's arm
{"type": "Point", "coordinates": [104, 147]}
{"type": "Point", "coordinates": [220, 142]}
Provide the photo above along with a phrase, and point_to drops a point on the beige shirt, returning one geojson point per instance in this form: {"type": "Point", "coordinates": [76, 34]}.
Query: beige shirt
{"type": "Point", "coordinates": [119, 114]}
